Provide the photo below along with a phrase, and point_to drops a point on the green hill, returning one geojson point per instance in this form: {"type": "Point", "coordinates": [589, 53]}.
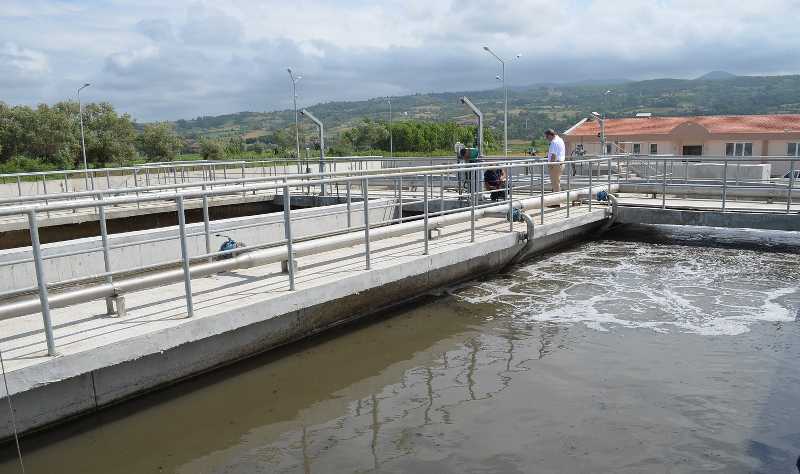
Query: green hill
{"type": "Point", "coordinates": [531, 109]}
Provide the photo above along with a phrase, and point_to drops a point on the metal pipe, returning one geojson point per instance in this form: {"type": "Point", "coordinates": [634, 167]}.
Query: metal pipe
{"type": "Point", "coordinates": [791, 185]}
{"type": "Point", "coordinates": [187, 278]}
{"type": "Point", "coordinates": [83, 142]}
{"type": "Point", "coordinates": [473, 198]}
{"type": "Point", "coordinates": [365, 195]}
{"type": "Point", "coordinates": [724, 184]}
{"type": "Point", "coordinates": [591, 195]}
{"type": "Point", "coordinates": [425, 214]}
{"type": "Point", "coordinates": [479, 114]}
{"type": "Point", "coordinates": [206, 223]}
{"type": "Point", "coordinates": [664, 188]}
{"type": "Point", "coordinates": [541, 197]}
{"type": "Point", "coordinates": [349, 202]}
{"type": "Point", "coordinates": [41, 280]}
{"type": "Point", "coordinates": [569, 202]}
{"type": "Point", "coordinates": [287, 225]}
{"type": "Point", "coordinates": [401, 199]}
{"type": "Point", "coordinates": [308, 114]}
{"type": "Point", "coordinates": [510, 197]}
{"type": "Point", "coordinates": [106, 252]}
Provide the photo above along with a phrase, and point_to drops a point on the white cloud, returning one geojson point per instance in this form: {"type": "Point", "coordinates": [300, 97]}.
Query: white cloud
{"type": "Point", "coordinates": [22, 64]}
{"type": "Point", "coordinates": [174, 59]}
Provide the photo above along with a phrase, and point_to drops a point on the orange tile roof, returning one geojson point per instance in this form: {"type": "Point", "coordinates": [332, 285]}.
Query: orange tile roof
{"type": "Point", "coordinates": [715, 124]}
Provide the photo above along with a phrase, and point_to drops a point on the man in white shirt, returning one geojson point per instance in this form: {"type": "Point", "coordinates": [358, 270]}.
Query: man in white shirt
{"type": "Point", "coordinates": [555, 155]}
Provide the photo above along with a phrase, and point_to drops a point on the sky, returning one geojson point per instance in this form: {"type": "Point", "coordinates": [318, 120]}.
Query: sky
{"type": "Point", "coordinates": [165, 60]}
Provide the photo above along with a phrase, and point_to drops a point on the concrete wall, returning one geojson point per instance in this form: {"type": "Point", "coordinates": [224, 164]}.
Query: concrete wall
{"type": "Point", "coordinates": [267, 228]}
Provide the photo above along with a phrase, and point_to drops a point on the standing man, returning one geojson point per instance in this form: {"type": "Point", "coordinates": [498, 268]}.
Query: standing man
{"type": "Point", "coordinates": [555, 156]}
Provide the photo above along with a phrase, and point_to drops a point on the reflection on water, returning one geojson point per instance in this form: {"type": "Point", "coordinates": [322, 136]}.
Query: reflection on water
{"type": "Point", "coordinates": [611, 356]}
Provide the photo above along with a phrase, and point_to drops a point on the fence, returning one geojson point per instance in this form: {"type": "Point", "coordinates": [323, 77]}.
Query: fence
{"type": "Point", "coordinates": [404, 187]}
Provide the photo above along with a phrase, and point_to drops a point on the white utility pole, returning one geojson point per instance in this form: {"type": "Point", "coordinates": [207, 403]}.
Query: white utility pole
{"type": "Point", "coordinates": [502, 78]}
{"type": "Point", "coordinates": [83, 141]}
{"type": "Point", "coordinates": [295, 80]}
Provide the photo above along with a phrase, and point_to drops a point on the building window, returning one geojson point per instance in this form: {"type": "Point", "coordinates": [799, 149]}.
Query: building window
{"type": "Point", "coordinates": [637, 148]}
{"type": "Point", "coordinates": [793, 149]}
{"type": "Point", "coordinates": [654, 148]}
{"type": "Point", "coordinates": [738, 149]}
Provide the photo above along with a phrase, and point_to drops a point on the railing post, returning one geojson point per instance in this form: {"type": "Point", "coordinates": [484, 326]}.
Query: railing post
{"type": "Point", "coordinates": [287, 226]}
{"type": "Point", "coordinates": [244, 193]}
{"type": "Point", "coordinates": [473, 197]}
{"type": "Point", "coordinates": [541, 198]}
{"type": "Point", "coordinates": [401, 199]}
{"type": "Point", "coordinates": [101, 208]}
{"type": "Point", "coordinates": [591, 172]}
{"type": "Point", "coordinates": [187, 277]}
{"type": "Point", "coordinates": [349, 202]}
{"type": "Point", "coordinates": [441, 194]}
{"type": "Point", "coordinates": [724, 184]}
{"type": "Point", "coordinates": [510, 196]}
{"type": "Point", "coordinates": [609, 176]}
{"type": "Point", "coordinates": [791, 185]}
{"type": "Point", "coordinates": [365, 195]}
{"type": "Point", "coordinates": [41, 280]}
{"type": "Point", "coordinates": [530, 172]}
{"type": "Point", "coordinates": [206, 223]}
{"type": "Point", "coordinates": [569, 202]}
{"type": "Point", "coordinates": [425, 212]}
{"type": "Point", "coordinates": [663, 188]}
{"type": "Point", "coordinates": [44, 188]}
{"type": "Point", "coordinates": [19, 186]}
{"type": "Point", "coordinates": [136, 184]}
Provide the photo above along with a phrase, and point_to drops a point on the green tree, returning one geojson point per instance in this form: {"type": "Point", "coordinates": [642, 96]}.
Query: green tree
{"type": "Point", "coordinates": [109, 136]}
{"type": "Point", "coordinates": [159, 142]}
{"type": "Point", "coordinates": [234, 146]}
{"type": "Point", "coordinates": [211, 149]}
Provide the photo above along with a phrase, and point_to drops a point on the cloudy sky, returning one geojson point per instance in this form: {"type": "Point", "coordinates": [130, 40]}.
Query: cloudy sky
{"type": "Point", "coordinates": [159, 59]}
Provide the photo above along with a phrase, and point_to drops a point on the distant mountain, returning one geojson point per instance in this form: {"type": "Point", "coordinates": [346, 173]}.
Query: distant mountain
{"type": "Point", "coordinates": [531, 109]}
{"type": "Point", "coordinates": [717, 76]}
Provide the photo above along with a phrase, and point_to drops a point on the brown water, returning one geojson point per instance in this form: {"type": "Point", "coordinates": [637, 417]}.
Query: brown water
{"type": "Point", "coordinates": [674, 354]}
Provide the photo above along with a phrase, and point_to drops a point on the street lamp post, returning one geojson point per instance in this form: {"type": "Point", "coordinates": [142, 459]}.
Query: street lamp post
{"type": "Point", "coordinates": [505, 93]}
{"type": "Point", "coordinates": [83, 141]}
{"type": "Point", "coordinates": [295, 80]}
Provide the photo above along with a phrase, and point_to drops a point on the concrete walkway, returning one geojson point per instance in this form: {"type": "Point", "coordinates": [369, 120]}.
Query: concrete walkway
{"type": "Point", "coordinates": [103, 359]}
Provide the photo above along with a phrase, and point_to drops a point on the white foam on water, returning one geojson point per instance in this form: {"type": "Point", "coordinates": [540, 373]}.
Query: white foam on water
{"type": "Point", "coordinates": [671, 284]}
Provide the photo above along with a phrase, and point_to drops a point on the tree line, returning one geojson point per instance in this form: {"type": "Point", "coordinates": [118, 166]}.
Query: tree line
{"type": "Point", "coordinates": [412, 136]}
{"type": "Point", "coordinates": [49, 137]}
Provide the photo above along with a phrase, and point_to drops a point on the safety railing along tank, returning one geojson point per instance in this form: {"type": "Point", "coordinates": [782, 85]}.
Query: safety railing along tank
{"type": "Point", "coordinates": [527, 178]}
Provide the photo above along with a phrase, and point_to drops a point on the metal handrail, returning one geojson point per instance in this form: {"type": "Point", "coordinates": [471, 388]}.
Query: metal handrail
{"type": "Point", "coordinates": [113, 290]}
{"type": "Point", "coordinates": [468, 177]}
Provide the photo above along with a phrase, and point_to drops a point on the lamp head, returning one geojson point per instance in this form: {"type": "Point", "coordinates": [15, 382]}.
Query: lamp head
{"type": "Point", "coordinates": [486, 48]}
